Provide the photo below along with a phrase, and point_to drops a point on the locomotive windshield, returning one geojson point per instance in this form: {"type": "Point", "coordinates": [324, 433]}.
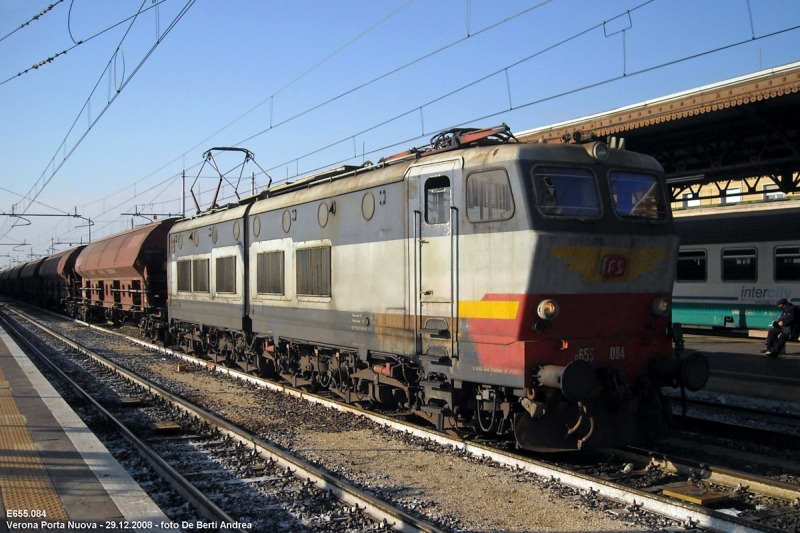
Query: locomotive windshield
{"type": "Point", "coordinates": [568, 192]}
{"type": "Point", "coordinates": [637, 195]}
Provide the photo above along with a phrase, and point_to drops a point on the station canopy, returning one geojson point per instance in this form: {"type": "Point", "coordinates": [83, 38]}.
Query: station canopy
{"type": "Point", "coordinates": [745, 127]}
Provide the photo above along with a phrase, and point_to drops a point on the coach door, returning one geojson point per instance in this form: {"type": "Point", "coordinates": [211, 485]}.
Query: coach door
{"type": "Point", "coordinates": [433, 225]}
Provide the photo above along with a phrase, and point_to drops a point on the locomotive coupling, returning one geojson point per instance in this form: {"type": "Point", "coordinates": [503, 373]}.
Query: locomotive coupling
{"type": "Point", "coordinates": [576, 380]}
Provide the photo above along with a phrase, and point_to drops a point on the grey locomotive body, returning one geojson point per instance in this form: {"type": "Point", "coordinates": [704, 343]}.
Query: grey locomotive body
{"type": "Point", "coordinates": [496, 288]}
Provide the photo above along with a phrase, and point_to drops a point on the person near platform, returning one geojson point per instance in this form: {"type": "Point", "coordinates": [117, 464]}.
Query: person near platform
{"type": "Point", "coordinates": [781, 329]}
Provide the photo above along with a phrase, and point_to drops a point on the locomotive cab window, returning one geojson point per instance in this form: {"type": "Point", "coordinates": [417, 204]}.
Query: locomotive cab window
{"type": "Point", "coordinates": [692, 266]}
{"type": "Point", "coordinates": [225, 274]}
{"type": "Point", "coordinates": [787, 263]}
{"type": "Point", "coordinates": [566, 192]}
{"type": "Point", "coordinates": [269, 273]}
{"type": "Point", "coordinates": [739, 264]}
{"type": "Point", "coordinates": [437, 200]}
{"type": "Point", "coordinates": [489, 196]}
{"type": "Point", "coordinates": [637, 196]}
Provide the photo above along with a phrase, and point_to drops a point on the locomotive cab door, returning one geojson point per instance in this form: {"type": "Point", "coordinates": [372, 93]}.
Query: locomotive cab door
{"type": "Point", "coordinates": [433, 232]}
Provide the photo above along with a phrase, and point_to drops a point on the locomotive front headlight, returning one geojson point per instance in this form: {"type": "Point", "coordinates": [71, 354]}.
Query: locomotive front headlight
{"type": "Point", "coordinates": [660, 307]}
{"type": "Point", "coordinates": [547, 309]}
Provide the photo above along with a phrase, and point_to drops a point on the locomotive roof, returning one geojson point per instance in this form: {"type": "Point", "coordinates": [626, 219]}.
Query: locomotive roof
{"type": "Point", "coordinates": [363, 178]}
{"type": "Point", "coordinates": [473, 148]}
{"type": "Point", "coordinates": [214, 217]}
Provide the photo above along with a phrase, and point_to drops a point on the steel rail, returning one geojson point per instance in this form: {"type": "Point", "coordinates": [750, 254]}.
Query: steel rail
{"type": "Point", "coordinates": [395, 518]}
{"type": "Point", "coordinates": [203, 505]}
{"type": "Point", "coordinates": [713, 474]}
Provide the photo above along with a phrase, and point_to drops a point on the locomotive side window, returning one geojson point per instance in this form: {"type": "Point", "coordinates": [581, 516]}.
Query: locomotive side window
{"type": "Point", "coordinates": [437, 200]}
{"type": "Point", "coordinates": [787, 263]}
{"type": "Point", "coordinates": [692, 265]}
{"type": "Point", "coordinates": [269, 273]}
{"type": "Point", "coordinates": [739, 264]}
{"type": "Point", "coordinates": [184, 276]}
{"type": "Point", "coordinates": [200, 275]}
{"type": "Point", "coordinates": [567, 192]}
{"type": "Point", "coordinates": [489, 196]}
{"type": "Point", "coordinates": [225, 274]}
{"type": "Point", "coordinates": [637, 195]}
{"type": "Point", "coordinates": [314, 271]}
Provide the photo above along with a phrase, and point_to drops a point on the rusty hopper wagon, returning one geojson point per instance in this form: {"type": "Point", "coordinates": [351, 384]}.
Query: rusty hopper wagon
{"type": "Point", "coordinates": [123, 277]}
{"type": "Point", "coordinates": [60, 284]}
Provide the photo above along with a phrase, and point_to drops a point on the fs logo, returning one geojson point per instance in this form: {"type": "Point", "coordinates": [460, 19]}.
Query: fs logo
{"type": "Point", "coordinates": [614, 266]}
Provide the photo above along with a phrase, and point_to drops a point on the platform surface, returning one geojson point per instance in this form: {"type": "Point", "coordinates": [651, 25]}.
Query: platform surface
{"type": "Point", "coordinates": [737, 367]}
{"type": "Point", "coordinates": [53, 469]}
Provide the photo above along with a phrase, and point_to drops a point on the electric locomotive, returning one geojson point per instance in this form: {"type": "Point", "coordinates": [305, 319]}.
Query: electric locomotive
{"type": "Point", "coordinates": [487, 285]}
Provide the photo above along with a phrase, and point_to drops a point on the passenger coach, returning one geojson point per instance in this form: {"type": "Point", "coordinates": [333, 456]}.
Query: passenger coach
{"type": "Point", "coordinates": [735, 263]}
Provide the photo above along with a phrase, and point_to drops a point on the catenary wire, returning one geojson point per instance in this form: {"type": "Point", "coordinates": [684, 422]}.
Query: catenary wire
{"type": "Point", "coordinates": [541, 100]}
{"type": "Point", "coordinates": [124, 84]}
{"type": "Point", "coordinates": [77, 43]}
{"type": "Point", "coordinates": [39, 15]}
{"type": "Point", "coordinates": [350, 91]}
{"type": "Point", "coordinates": [280, 90]}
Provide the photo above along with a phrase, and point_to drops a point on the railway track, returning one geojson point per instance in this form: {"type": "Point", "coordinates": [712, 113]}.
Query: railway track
{"type": "Point", "coordinates": [228, 475]}
{"type": "Point", "coordinates": [614, 487]}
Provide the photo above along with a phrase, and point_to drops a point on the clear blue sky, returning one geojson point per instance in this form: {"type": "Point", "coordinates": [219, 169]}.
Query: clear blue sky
{"type": "Point", "coordinates": [223, 59]}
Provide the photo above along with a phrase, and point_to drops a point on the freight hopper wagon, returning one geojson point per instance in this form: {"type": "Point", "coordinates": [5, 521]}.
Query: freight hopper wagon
{"type": "Point", "coordinates": [32, 290]}
{"type": "Point", "coordinates": [60, 285]}
{"type": "Point", "coordinates": [123, 277]}
{"type": "Point", "coordinates": [489, 286]}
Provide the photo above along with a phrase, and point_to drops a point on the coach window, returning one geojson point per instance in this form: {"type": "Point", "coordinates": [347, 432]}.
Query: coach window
{"type": "Point", "coordinates": [269, 273]}
{"type": "Point", "coordinates": [691, 265]}
{"type": "Point", "coordinates": [314, 271]}
{"type": "Point", "coordinates": [225, 274]}
{"type": "Point", "coordinates": [566, 192]}
{"type": "Point", "coordinates": [739, 264]}
{"type": "Point", "coordinates": [637, 195]}
{"type": "Point", "coordinates": [489, 196]}
{"type": "Point", "coordinates": [787, 263]}
{"type": "Point", "coordinates": [200, 275]}
{"type": "Point", "coordinates": [437, 200]}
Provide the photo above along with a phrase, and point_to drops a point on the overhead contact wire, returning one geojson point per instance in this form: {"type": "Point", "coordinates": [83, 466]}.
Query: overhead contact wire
{"type": "Point", "coordinates": [77, 43]}
{"type": "Point", "coordinates": [35, 17]}
{"type": "Point", "coordinates": [46, 181]}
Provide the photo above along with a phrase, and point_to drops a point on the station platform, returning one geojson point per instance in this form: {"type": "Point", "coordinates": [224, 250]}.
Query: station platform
{"type": "Point", "coordinates": [54, 472]}
{"type": "Point", "coordinates": [737, 367]}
